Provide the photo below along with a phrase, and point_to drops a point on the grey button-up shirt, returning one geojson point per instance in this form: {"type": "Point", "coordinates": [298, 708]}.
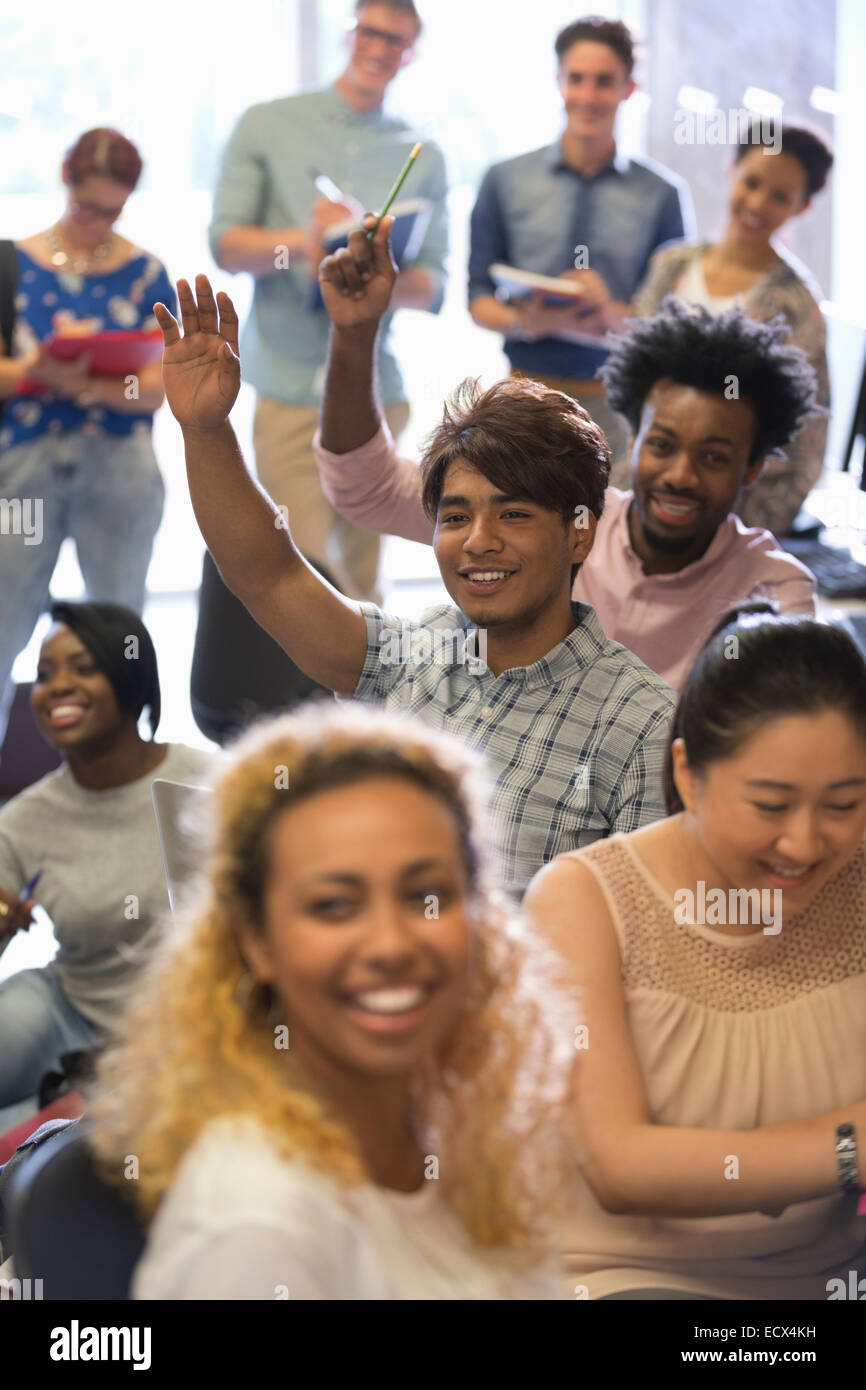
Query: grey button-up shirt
{"type": "Point", "coordinates": [533, 211]}
{"type": "Point", "coordinates": [575, 743]}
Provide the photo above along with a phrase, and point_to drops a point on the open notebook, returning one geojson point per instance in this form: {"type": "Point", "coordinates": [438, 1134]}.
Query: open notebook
{"type": "Point", "coordinates": [411, 220]}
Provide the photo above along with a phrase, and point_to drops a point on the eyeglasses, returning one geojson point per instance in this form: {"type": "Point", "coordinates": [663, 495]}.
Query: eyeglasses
{"type": "Point", "coordinates": [97, 212]}
{"type": "Point", "coordinates": [368, 34]}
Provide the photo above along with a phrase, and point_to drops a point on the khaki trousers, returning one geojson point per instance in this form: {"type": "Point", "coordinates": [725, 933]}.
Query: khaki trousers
{"type": "Point", "coordinates": [282, 437]}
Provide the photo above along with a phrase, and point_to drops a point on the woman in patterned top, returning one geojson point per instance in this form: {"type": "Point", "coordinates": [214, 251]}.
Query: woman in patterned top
{"type": "Point", "coordinates": [723, 961]}
{"type": "Point", "coordinates": [77, 454]}
{"type": "Point", "coordinates": [767, 189]}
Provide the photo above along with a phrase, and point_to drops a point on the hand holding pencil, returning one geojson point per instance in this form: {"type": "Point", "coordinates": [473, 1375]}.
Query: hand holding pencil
{"type": "Point", "coordinates": [357, 282]}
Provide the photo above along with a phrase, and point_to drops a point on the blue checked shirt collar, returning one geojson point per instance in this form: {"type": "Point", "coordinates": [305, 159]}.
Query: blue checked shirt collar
{"type": "Point", "coordinates": [618, 164]}
{"type": "Point", "coordinates": [580, 648]}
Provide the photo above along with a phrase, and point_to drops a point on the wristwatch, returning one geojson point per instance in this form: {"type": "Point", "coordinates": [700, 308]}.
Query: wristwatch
{"type": "Point", "coordinates": [846, 1158]}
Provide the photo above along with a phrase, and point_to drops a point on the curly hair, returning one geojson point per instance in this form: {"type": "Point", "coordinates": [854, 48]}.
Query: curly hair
{"type": "Point", "coordinates": [492, 1101]}
{"type": "Point", "coordinates": [687, 344]}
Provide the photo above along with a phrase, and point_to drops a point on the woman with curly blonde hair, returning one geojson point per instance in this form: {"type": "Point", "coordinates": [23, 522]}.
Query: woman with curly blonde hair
{"type": "Point", "coordinates": [343, 1077]}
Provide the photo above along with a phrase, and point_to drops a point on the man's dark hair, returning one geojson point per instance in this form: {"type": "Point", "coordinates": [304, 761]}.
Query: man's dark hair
{"type": "Point", "coordinates": [527, 440]}
{"type": "Point", "coordinates": [593, 28]}
{"type": "Point", "coordinates": [406, 7]}
{"type": "Point", "coordinates": [105, 629]}
{"type": "Point", "coordinates": [688, 345]}
{"type": "Point", "coordinates": [805, 144]}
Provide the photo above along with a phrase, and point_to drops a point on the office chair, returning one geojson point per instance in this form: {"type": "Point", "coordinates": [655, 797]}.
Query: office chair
{"type": "Point", "coordinates": [25, 756]}
{"type": "Point", "coordinates": [238, 671]}
{"type": "Point", "coordinates": [69, 1228]}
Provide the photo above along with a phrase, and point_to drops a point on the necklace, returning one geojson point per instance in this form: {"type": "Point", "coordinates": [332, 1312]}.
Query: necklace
{"type": "Point", "coordinates": [59, 257]}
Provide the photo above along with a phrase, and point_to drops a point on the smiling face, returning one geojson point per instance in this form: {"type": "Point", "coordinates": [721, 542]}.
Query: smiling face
{"type": "Point", "coordinates": [593, 81]}
{"type": "Point", "coordinates": [505, 561]}
{"type": "Point", "coordinates": [381, 43]}
{"type": "Point", "coordinates": [689, 461]}
{"type": "Point", "coordinates": [766, 189]}
{"type": "Point", "coordinates": [366, 927]}
{"type": "Point", "coordinates": [72, 700]}
{"type": "Point", "coordinates": [787, 810]}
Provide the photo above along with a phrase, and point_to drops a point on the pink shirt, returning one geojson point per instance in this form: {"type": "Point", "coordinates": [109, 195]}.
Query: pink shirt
{"type": "Point", "coordinates": [663, 618]}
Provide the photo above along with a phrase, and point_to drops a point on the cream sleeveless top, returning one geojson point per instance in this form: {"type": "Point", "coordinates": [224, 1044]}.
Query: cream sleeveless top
{"type": "Point", "coordinates": [733, 1033]}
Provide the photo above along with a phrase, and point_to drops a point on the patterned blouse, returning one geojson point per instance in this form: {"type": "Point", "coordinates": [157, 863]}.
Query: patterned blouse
{"type": "Point", "coordinates": [775, 499]}
{"type": "Point", "coordinates": [122, 298]}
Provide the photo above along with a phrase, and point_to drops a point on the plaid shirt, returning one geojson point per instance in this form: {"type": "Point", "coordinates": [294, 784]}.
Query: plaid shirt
{"type": "Point", "coordinates": [575, 743]}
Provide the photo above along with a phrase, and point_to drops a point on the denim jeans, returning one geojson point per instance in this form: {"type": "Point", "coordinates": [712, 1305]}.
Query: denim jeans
{"type": "Point", "coordinates": [37, 1024]}
{"type": "Point", "coordinates": [106, 492]}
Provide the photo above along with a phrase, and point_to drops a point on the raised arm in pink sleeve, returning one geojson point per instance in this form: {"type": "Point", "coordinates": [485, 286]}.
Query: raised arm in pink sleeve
{"type": "Point", "coordinates": [376, 488]}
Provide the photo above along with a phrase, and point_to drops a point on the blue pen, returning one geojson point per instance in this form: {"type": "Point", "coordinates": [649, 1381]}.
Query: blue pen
{"type": "Point", "coordinates": [27, 891]}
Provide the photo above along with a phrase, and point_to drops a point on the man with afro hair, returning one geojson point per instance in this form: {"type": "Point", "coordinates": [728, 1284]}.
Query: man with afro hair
{"type": "Point", "coordinates": [707, 398]}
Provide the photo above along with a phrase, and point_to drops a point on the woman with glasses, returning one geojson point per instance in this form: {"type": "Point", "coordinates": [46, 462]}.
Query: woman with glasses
{"type": "Point", "coordinates": [75, 447]}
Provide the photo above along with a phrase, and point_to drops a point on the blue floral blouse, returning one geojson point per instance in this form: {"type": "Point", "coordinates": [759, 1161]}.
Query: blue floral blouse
{"type": "Point", "coordinates": [122, 298]}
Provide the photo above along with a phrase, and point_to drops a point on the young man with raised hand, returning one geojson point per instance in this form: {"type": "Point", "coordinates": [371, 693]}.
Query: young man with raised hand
{"type": "Point", "coordinates": [577, 208]}
{"type": "Point", "coordinates": [271, 220]}
{"type": "Point", "coordinates": [573, 725]}
{"type": "Point", "coordinates": [706, 398]}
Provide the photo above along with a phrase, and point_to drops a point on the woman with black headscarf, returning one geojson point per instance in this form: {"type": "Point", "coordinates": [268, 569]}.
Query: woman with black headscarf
{"type": "Point", "coordinates": [89, 828]}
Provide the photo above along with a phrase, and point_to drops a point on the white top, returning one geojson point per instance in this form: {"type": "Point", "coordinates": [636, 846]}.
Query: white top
{"type": "Point", "coordinates": [692, 286]}
{"type": "Point", "coordinates": [241, 1222]}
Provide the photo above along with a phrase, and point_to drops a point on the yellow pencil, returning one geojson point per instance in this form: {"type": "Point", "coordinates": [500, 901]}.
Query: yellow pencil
{"type": "Point", "coordinates": [395, 190]}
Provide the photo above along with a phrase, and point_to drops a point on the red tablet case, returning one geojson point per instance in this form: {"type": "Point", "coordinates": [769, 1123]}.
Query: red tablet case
{"type": "Point", "coordinates": [117, 352]}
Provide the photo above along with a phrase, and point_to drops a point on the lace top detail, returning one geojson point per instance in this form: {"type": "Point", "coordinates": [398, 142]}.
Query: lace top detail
{"type": "Point", "coordinates": [820, 947]}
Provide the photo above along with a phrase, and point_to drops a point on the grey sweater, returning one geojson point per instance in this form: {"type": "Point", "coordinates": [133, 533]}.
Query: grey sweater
{"type": "Point", "coordinates": [103, 884]}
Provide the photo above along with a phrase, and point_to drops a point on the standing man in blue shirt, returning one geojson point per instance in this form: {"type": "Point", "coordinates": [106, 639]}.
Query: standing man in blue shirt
{"type": "Point", "coordinates": [270, 219]}
{"type": "Point", "coordinates": [580, 209]}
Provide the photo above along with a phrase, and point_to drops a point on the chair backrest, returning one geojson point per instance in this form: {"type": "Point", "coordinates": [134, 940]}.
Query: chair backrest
{"type": "Point", "coordinates": [175, 806]}
{"type": "Point", "coordinates": [238, 671]}
{"type": "Point", "coordinates": [67, 1227]}
{"type": "Point", "coordinates": [24, 754]}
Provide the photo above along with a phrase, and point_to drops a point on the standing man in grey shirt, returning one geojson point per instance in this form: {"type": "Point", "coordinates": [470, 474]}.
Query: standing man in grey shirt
{"type": "Point", "coordinates": [270, 220]}
{"type": "Point", "coordinates": [575, 208]}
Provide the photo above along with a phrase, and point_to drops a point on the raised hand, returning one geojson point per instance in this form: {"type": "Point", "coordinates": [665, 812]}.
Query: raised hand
{"type": "Point", "coordinates": [201, 369]}
{"type": "Point", "coordinates": [358, 280]}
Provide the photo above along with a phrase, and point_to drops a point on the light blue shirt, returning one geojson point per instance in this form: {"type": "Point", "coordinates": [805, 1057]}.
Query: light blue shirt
{"type": "Point", "coordinates": [533, 211]}
{"type": "Point", "coordinates": [267, 180]}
